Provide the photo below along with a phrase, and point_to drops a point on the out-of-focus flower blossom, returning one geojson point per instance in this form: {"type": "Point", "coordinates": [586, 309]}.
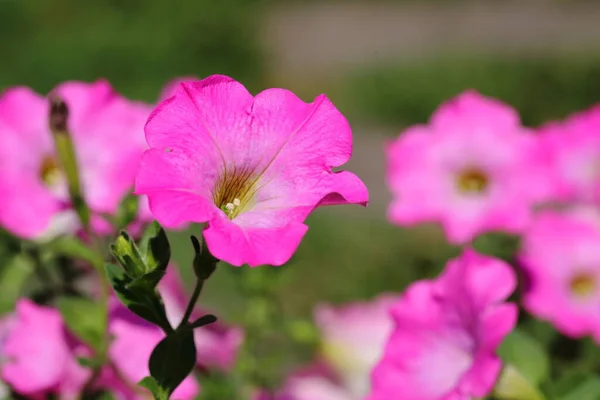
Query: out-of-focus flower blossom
{"type": "Point", "coordinates": [573, 150]}
{"type": "Point", "coordinates": [217, 344]}
{"type": "Point", "coordinates": [561, 257]}
{"type": "Point", "coordinates": [314, 388]}
{"type": "Point", "coordinates": [130, 350]}
{"type": "Point", "coordinates": [253, 168]}
{"type": "Point", "coordinates": [317, 381]}
{"type": "Point", "coordinates": [473, 168]}
{"type": "Point", "coordinates": [447, 331]}
{"type": "Point", "coordinates": [39, 355]}
{"type": "Point", "coordinates": [353, 339]}
{"type": "Point", "coordinates": [107, 131]}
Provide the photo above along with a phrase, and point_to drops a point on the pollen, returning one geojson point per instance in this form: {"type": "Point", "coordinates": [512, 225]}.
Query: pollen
{"type": "Point", "coordinates": [582, 284]}
{"type": "Point", "coordinates": [235, 190]}
{"type": "Point", "coordinates": [472, 181]}
{"type": "Point", "coordinates": [49, 171]}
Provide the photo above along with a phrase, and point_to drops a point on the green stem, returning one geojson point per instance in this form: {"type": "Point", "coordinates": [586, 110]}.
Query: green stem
{"type": "Point", "coordinates": [65, 149]}
{"type": "Point", "coordinates": [192, 302]}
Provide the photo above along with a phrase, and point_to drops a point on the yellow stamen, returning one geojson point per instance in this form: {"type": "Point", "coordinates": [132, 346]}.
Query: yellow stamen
{"type": "Point", "coordinates": [472, 181]}
{"type": "Point", "coordinates": [235, 190]}
{"type": "Point", "coordinates": [49, 171]}
{"type": "Point", "coordinates": [582, 284]}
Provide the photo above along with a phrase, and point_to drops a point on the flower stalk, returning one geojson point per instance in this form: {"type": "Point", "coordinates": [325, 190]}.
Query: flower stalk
{"type": "Point", "coordinates": [65, 151]}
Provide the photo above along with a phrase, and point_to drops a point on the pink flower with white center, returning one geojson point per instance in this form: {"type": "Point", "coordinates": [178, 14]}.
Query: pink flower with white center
{"type": "Point", "coordinates": [353, 338]}
{"type": "Point", "coordinates": [474, 169]}
{"type": "Point", "coordinates": [573, 149]}
{"type": "Point", "coordinates": [446, 333]}
{"type": "Point", "coordinates": [252, 168]}
{"type": "Point", "coordinates": [107, 131]}
{"type": "Point", "coordinates": [39, 356]}
{"type": "Point", "coordinates": [561, 257]}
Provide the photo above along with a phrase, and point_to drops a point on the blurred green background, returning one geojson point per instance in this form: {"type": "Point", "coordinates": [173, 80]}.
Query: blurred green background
{"type": "Point", "coordinates": [386, 64]}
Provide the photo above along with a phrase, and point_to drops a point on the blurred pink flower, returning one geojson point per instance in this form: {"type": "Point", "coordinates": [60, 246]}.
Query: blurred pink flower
{"type": "Point", "coordinates": [253, 168]}
{"type": "Point", "coordinates": [217, 344]}
{"type": "Point", "coordinates": [573, 150]}
{"type": "Point", "coordinates": [474, 169]}
{"type": "Point", "coordinates": [447, 331]}
{"type": "Point", "coordinates": [314, 388]}
{"type": "Point", "coordinates": [561, 257]}
{"type": "Point", "coordinates": [39, 355]}
{"type": "Point", "coordinates": [316, 381]}
{"type": "Point", "coordinates": [107, 132]}
{"type": "Point", "coordinates": [134, 340]}
{"type": "Point", "coordinates": [353, 338]}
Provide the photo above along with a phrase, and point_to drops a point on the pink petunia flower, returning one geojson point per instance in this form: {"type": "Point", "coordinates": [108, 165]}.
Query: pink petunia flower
{"type": "Point", "coordinates": [561, 258]}
{"type": "Point", "coordinates": [253, 168]}
{"type": "Point", "coordinates": [107, 131]}
{"type": "Point", "coordinates": [134, 340]}
{"type": "Point", "coordinates": [40, 356]}
{"type": "Point", "coordinates": [573, 149]}
{"type": "Point", "coordinates": [474, 169]}
{"type": "Point", "coordinates": [446, 334]}
{"type": "Point", "coordinates": [353, 338]}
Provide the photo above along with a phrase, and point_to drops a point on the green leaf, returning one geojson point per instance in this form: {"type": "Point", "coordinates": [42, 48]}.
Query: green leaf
{"type": "Point", "coordinates": [85, 318]}
{"type": "Point", "coordinates": [15, 272]}
{"type": "Point", "coordinates": [125, 250]}
{"type": "Point", "coordinates": [155, 247]}
{"type": "Point", "coordinates": [147, 282]}
{"type": "Point", "coordinates": [157, 391]}
{"type": "Point", "coordinates": [577, 386]}
{"type": "Point", "coordinates": [203, 321]}
{"type": "Point", "coordinates": [141, 300]}
{"type": "Point", "coordinates": [127, 211]}
{"type": "Point", "coordinates": [173, 359]}
{"type": "Point", "coordinates": [74, 248]}
{"type": "Point", "coordinates": [526, 355]}
{"type": "Point", "coordinates": [512, 385]}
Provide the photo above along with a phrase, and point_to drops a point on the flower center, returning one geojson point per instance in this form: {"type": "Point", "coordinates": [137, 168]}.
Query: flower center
{"type": "Point", "coordinates": [235, 190]}
{"type": "Point", "coordinates": [49, 171]}
{"type": "Point", "coordinates": [582, 284]}
{"type": "Point", "coordinates": [472, 181]}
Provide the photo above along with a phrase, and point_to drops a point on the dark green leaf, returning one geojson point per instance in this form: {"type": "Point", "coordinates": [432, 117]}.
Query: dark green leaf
{"type": "Point", "coordinates": [204, 262]}
{"type": "Point", "coordinates": [85, 318]}
{"type": "Point", "coordinates": [155, 247]}
{"type": "Point", "coordinates": [526, 355]}
{"type": "Point", "coordinates": [141, 300]}
{"type": "Point", "coordinates": [577, 386]}
{"type": "Point", "coordinates": [586, 390]}
{"type": "Point", "coordinates": [147, 282]}
{"type": "Point", "coordinates": [173, 359]}
{"type": "Point", "coordinates": [203, 321]}
{"type": "Point", "coordinates": [157, 391]}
